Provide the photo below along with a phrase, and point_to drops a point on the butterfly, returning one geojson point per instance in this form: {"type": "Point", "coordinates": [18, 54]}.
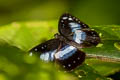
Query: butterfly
{"type": "Point", "coordinates": [64, 48]}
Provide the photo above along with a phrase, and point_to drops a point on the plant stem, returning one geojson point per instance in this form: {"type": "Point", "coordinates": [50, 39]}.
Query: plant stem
{"type": "Point", "coordinates": [102, 58]}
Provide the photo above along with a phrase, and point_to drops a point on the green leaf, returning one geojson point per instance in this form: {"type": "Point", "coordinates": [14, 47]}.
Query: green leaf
{"type": "Point", "coordinates": [26, 35]}
{"type": "Point", "coordinates": [85, 72]}
{"type": "Point", "coordinates": [108, 50]}
{"type": "Point", "coordinates": [15, 65]}
{"type": "Point", "coordinates": [109, 37]}
{"type": "Point", "coordinates": [104, 68]}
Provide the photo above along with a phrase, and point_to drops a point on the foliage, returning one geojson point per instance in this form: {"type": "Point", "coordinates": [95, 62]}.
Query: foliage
{"type": "Point", "coordinates": [18, 38]}
{"type": "Point", "coordinates": [89, 11]}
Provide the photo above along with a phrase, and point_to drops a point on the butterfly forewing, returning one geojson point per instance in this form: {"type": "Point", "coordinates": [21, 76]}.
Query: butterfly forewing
{"type": "Point", "coordinates": [67, 22]}
{"type": "Point", "coordinates": [73, 29]}
{"type": "Point", "coordinates": [68, 56]}
{"type": "Point", "coordinates": [46, 50]}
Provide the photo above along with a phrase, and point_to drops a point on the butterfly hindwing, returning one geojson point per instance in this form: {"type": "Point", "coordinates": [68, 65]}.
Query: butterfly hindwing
{"type": "Point", "coordinates": [71, 62]}
{"type": "Point", "coordinates": [68, 56]}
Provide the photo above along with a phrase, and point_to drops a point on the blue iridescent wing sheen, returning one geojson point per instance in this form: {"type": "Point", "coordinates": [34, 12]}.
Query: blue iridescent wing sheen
{"type": "Point", "coordinates": [46, 50]}
{"type": "Point", "coordinates": [67, 22]}
{"type": "Point", "coordinates": [69, 57]}
{"type": "Point", "coordinates": [70, 27]}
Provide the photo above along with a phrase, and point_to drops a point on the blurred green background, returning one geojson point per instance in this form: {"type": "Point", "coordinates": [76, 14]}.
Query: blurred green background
{"type": "Point", "coordinates": [23, 35]}
{"type": "Point", "coordinates": [93, 12]}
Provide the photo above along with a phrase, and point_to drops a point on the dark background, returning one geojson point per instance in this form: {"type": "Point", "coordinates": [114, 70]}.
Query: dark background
{"type": "Point", "coordinates": [93, 12]}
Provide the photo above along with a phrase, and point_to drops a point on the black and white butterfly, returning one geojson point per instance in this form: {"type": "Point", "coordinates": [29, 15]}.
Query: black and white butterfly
{"type": "Point", "coordinates": [63, 49]}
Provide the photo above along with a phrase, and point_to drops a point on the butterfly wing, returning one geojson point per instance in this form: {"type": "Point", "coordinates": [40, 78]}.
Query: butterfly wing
{"type": "Point", "coordinates": [69, 57]}
{"type": "Point", "coordinates": [67, 22]}
{"type": "Point", "coordinates": [46, 50]}
{"type": "Point", "coordinates": [65, 55]}
{"type": "Point", "coordinates": [92, 38]}
{"type": "Point", "coordinates": [73, 29]}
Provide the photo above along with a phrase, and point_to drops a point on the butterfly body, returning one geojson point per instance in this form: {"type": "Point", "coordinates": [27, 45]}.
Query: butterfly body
{"type": "Point", "coordinates": [61, 50]}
